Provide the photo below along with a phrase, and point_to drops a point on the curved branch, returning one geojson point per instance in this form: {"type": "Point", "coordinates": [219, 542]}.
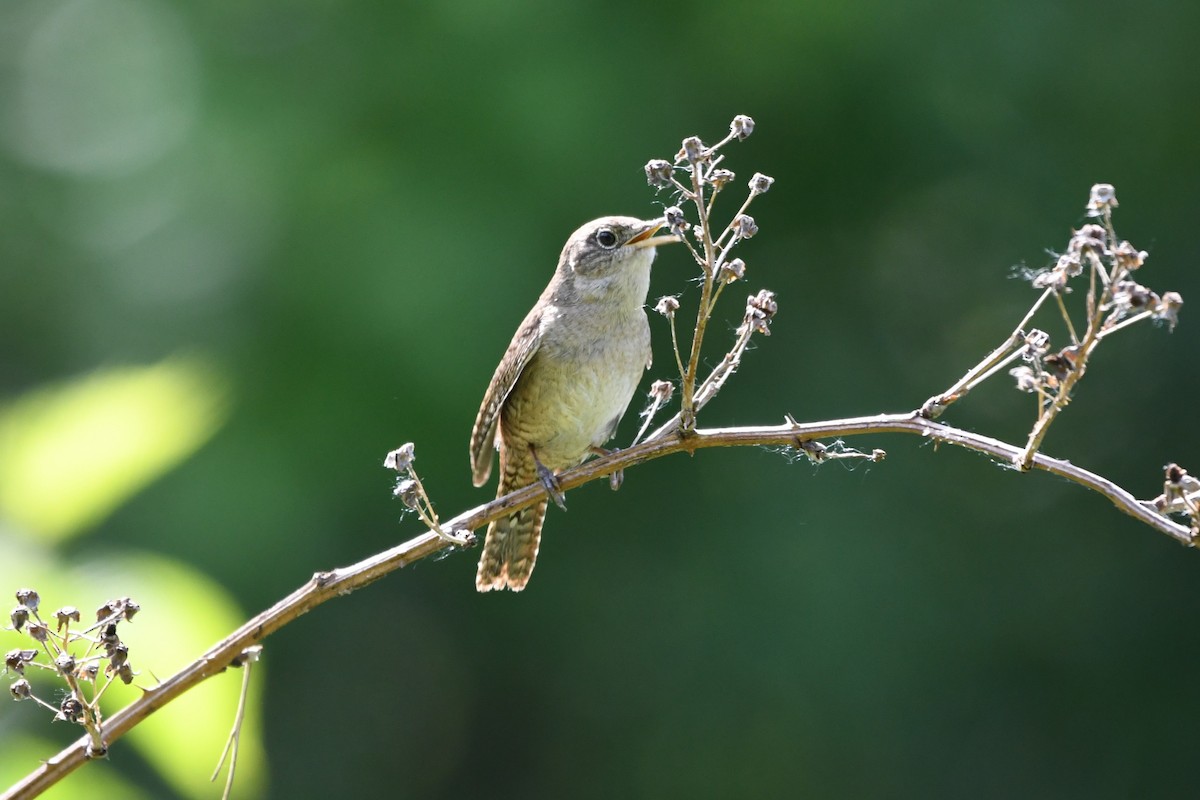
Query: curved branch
{"type": "Point", "coordinates": [324, 586]}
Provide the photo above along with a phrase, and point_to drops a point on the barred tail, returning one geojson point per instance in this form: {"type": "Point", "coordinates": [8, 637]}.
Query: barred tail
{"type": "Point", "coordinates": [511, 546]}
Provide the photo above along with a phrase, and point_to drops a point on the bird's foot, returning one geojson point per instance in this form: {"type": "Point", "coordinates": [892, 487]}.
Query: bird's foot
{"type": "Point", "coordinates": [615, 479]}
{"type": "Point", "coordinates": [550, 482]}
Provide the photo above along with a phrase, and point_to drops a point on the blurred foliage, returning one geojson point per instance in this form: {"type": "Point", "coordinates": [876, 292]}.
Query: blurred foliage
{"type": "Point", "coordinates": [349, 209]}
{"type": "Point", "coordinates": [70, 454]}
{"type": "Point", "coordinates": [101, 782]}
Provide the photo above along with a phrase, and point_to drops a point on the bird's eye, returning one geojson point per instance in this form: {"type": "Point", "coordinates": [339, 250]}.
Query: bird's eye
{"type": "Point", "coordinates": [606, 238]}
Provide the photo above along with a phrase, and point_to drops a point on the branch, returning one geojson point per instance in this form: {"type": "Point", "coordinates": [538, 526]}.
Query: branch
{"type": "Point", "coordinates": [324, 586]}
{"type": "Point", "coordinates": [1114, 300]}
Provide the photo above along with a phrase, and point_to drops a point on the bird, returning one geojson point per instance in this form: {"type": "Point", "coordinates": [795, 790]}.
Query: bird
{"type": "Point", "coordinates": [564, 382]}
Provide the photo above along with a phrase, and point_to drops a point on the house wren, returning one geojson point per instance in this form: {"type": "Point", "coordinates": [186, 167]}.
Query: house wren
{"type": "Point", "coordinates": [564, 382]}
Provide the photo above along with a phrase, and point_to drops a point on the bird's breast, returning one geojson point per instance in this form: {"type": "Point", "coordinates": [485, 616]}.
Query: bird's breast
{"type": "Point", "coordinates": [579, 383]}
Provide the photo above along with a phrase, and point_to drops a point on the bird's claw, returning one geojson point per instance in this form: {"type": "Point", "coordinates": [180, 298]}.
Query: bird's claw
{"type": "Point", "coordinates": [551, 484]}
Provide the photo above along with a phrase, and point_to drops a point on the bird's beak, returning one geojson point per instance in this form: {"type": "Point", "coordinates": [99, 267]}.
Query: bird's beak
{"type": "Point", "coordinates": [646, 238]}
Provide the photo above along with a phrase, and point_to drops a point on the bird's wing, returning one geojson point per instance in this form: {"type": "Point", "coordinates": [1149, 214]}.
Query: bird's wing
{"type": "Point", "coordinates": [516, 358]}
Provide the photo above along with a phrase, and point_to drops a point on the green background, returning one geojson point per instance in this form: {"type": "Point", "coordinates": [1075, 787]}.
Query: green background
{"type": "Point", "coordinates": [344, 210]}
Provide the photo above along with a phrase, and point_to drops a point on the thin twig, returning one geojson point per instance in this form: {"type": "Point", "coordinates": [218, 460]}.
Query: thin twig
{"type": "Point", "coordinates": [249, 656]}
{"type": "Point", "coordinates": [934, 406]}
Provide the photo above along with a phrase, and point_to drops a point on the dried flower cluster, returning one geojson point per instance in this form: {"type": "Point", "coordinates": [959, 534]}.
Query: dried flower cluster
{"type": "Point", "coordinates": [695, 177]}
{"type": "Point", "coordinates": [1181, 495]}
{"type": "Point", "coordinates": [1113, 300]}
{"type": "Point", "coordinates": [87, 661]}
{"type": "Point", "coordinates": [411, 492]}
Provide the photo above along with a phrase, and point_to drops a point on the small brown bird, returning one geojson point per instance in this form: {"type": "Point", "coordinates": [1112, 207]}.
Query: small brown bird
{"type": "Point", "coordinates": [564, 382]}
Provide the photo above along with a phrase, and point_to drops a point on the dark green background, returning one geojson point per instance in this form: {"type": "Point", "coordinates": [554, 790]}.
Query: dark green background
{"type": "Point", "coordinates": [364, 199]}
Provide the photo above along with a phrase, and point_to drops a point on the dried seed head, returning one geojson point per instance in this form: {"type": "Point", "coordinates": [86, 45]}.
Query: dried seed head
{"type": "Point", "coordinates": [408, 493]}
{"type": "Point", "coordinates": [88, 671]}
{"type": "Point", "coordinates": [121, 607]}
{"type": "Point", "coordinates": [19, 616]}
{"type": "Point", "coordinates": [720, 178]}
{"type": "Point", "coordinates": [15, 660]}
{"type": "Point", "coordinates": [741, 127]}
{"type": "Point", "coordinates": [107, 609]}
{"type": "Point", "coordinates": [401, 458]}
{"type": "Point", "coordinates": [1129, 297]}
{"type": "Point", "coordinates": [20, 690]}
{"type": "Point", "coordinates": [662, 392]}
{"type": "Point", "coordinates": [764, 301]}
{"type": "Point", "coordinates": [1026, 378]}
{"type": "Point", "coordinates": [732, 271]}
{"type": "Point", "coordinates": [659, 173]}
{"type": "Point", "coordinates": [109, 639]}
{"type": "Point", "coordinates": [38, 631]}
{"type": "Point", "coordinates": [667, 306]}
{"type": "Point", "coordinates": [676, 220]}
{"type": "Point", "coordinates": [118, 655]}
{"type": "Point", "coordinates": [1050, 279]}
{"type": "Point", "coordinates": [29, 598]}
{"type": "Point", "coordinates": [131, 608]}
{"type": "Point", "coordinates": [1069, 264]}
{"type": "Point", "coordinates": [1036, 343]}
{"type": "Point", "coordinates": [126, 674]}
{"type": "Point", "coordinates": [70, 709]}
{"type": "Point", "coordinates": [1177, 485]}
{"type": "Point", "coordinates": [760, 183]}
{"type": "Point", "coordinates": [1055, 279]}
{"type": "Point", "coordinates": [760, 308]}
{"type": "Point", "coordinates": [1129, 257]}
{"type": "Point", "coordinates": [65, 614]}
{"type": "Point", "coordinates": [1059, 365]}
{"type": "Point", "coordinates": [1168, 309]}
{"type": "Point", "coordinates": [744, 226]}
{"type": "Point", "coordinates": [65, 664]}
{"type": "Point", "coordinates": [693, 150]}
{"type": "Point", "coordinates": [1102, 200]}
{"type": "Point", "coordinates": [1089, 237]}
